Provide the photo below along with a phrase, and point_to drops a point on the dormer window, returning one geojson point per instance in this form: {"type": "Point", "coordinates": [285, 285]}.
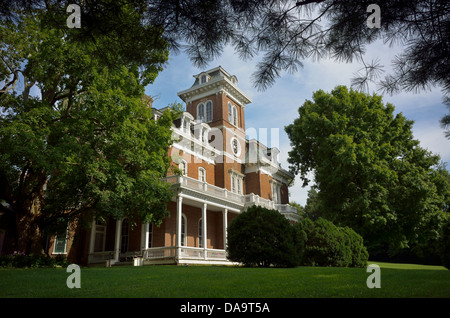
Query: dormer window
{"type": "Point", "coordinates": [203, 79]}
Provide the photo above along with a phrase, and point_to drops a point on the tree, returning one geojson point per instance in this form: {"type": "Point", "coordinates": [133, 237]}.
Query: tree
{"type": "Point", "coordinates": [369, 171]}
{"type": "Point", "coordinates": [263, 237]}
{"type": "Point", "coordinates": [313, 208]}
{"type": "Point", "coordinates": [285, 33]}
{"type": "Point", "coordinates": [300, 209]}
{"type": "Point", "coordinates": [445, 121]}
{"type": "Point", "coordinates": [76, 139]}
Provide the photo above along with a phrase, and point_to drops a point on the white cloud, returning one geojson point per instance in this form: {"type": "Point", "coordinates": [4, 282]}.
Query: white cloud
{"type": "Point", "coordinates": [277, 106]}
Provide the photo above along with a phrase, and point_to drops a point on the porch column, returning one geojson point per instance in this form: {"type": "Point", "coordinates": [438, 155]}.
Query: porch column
{"type": "Point", "coordinates": [225, 226]}
{"type": "Point", "coordinates": [178, 229]}
{"type": "Point", "coordinates": [144, 236]}
{"type": "Point", "coordinates": [205, 232]}
{"type": "Point", "coordinates": [118, 237]}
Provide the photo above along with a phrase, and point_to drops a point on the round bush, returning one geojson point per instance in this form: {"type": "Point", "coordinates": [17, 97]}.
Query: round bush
{"type": "Point", "coordinates": [329, 245]}
{"type": "Point", "coordinates": [263, 237]}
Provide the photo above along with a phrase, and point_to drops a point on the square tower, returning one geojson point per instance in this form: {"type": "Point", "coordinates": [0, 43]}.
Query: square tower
{"type": "Point", "coordinates": [215, 99]}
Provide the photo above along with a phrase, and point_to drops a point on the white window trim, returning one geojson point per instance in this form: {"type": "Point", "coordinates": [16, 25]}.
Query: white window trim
{"type": "Point", "coordinates": [237, 182]}
{"type": "Point", "coordinates": [199, 117]}
{"type": "Point", "coordinates": [204, 174]}
{"type": "Point", "coordinates": [184, 162]}
{"type": "Point", "coordinates": [235, 116]}
{"type": "Point", "coordinates": [209, 103]}
{"type": "Point", "coordinates": [276, 191]}
{"type": "Point", "coordinates": [65, 245]}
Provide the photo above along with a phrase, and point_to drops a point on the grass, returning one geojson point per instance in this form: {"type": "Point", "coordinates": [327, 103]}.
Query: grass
{"type": "Point", "coordinates": [397, 280]}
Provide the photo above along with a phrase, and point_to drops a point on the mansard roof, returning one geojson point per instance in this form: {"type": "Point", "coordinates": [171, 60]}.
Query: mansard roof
{"type": "Point", "coordinates": [214, 81]}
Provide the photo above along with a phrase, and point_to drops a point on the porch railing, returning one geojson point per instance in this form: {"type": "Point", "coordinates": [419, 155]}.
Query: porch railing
{"type": "Point", "coordinates": [244, 200]}
{"type": "Point", "coordinates": [185, 252]}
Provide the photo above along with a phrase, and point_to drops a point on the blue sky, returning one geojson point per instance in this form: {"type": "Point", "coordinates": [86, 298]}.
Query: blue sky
{"type": "Point", "coordinates": [277, 106]}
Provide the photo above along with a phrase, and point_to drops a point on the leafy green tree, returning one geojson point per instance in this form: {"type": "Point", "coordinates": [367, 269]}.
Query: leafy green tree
{"type": "Point", "coordinates": [313, 208]}
{"type": "Point", "coordinates": [263, 237]}
{"type": "Point", "coordinates": [76, 139]}
{"type": "Point", "coordinates": [370, 173]}
{"type": "Point", "coordinates": [283, 33]}
{"type": "Point", "coordinates": [298, 206]}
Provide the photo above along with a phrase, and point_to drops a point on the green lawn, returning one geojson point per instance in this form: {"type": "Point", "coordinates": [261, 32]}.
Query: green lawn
{"type": "Point", "coordinates": [397, 280]}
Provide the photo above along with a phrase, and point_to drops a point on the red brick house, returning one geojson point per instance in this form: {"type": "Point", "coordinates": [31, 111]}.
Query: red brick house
{"type": "Point", "coordinates": [223, 174]}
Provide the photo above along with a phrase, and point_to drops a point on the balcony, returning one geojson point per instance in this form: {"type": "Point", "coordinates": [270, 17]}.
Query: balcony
{"type": "Point", "coordinates": [242, 200]}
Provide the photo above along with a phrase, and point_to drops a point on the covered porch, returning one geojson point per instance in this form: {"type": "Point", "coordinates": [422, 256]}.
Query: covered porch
{"type": "Point", "coordinates": [194, 233]}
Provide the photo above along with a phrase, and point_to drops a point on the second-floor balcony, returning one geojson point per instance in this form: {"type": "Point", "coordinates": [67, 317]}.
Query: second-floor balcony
{"type": "Point", "coordinates": [241, 200]}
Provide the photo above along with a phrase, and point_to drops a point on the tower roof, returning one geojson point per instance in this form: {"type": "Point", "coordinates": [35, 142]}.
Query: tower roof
{"type": "Point", "coordinates": [214, 81]}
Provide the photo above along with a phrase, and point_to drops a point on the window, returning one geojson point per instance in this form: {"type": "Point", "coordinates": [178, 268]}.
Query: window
{"type": "Point", "coordinates": [202, 174]}
{"type": "Point", "coordinates": [209, 111]}
{"type": "Point", "coordinates": [60, 244]}
{"type": "Point", "coordinates": [183, 230]}
{"type": "Point", "coordinates": [100, 231]}
{"type": "Point", "coordinates": [183, 167]}
{"type": "Point", "coordinates": [203, 79]}
{"type": "Point", "coordinates": [232, 114]}
{"type": "Point", "coordinates": [201, 112]}
{"type": "Point", "coordinates": [233, 183]}
{"type": "Point", "coordinates": [125, 236]}
{"type": "Point", "coordinates": [276, 195]}
{"type": "Point", "coordinates": [200, 233]}
{"type": "Point", "coordinates": [236, 182]}
{"type": "Point", "coordinates": [150, 235]}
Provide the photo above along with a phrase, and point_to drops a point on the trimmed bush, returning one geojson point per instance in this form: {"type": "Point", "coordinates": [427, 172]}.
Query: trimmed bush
{"type": "Point", "coordinates": [329, 245]}
{"type": "Point", "coordinates": [263, 237]}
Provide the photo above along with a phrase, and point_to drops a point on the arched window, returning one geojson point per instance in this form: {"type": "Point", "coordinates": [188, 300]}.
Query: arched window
{"type": "Point", "coordinates": [200, 233]}
{"type": "Point", "coordinates": [202, 174]}
{"type": "Point", "coordinates": [203, 79]}
{"type": "Point", "coordinates": [183, 167]}
{"type": "Point", "coordinates": [183, 230]}
{"type": "Point", "coordinates": [201, 112]}
{"type": "Point", "coordinates": [209, 111]}
{"type": "Point", "coordinates": [232, 114]}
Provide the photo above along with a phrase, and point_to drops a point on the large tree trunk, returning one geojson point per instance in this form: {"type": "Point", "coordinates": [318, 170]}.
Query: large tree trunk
{"type": "Point", "coordinates": [29, 235]}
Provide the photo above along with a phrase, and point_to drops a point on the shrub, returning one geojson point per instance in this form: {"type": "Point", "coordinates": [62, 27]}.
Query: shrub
{"type": "Point", "coordinates": [20, 260]}
{"type": "Point", "coordinates": [263, 237]}
{"type": "Point", "coordinates": [329, 245]}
